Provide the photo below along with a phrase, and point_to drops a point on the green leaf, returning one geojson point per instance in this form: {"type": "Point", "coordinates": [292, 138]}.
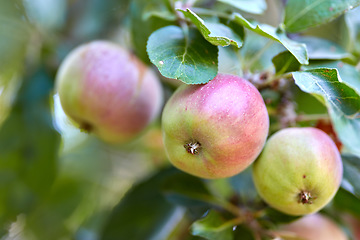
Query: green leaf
{"type": "Point", "coordinates": [351, 178]}
{"type": "Point", "coordinates": [297, 49]}
{"type": "Point", "coordinates": [303, 14]}
{"type": "Point", "coordinates": [348, 73]}
{"type": "Point", "coordinates": [347, 202]}
{"type": "Point", "coordinates": [143, 23]}
{"type": "Point", "coordinates": [250, 6]}
{"type": "Point", "coordinates": [143, 213]}
{"type": "Point", "coordinates": [307, 104]}
{"type": "Point", "coordinates": [327, 83]}
{"type": "Point", "coordinates": [347, 130]}
{"type": "Point", "coordinates": [342, 101]}
{"type": "Point", "coordinates": [244, 233]}
{"type": "Point", "coordinates": [28, 149]}
{"type": "Point", "coordinates": [82, 181]}
{"type": "Point", "coordinates": [216, 33]}
{"type": "Point", "coordinates": [184, 189]}
{"type": "Point", "coordinates": [157, 10]}
{"type": "Point", "coordinates": [257, 52]}
{"type": "Point", "coordinates": [327, 30]}
{"type": "Point", "coordinates": [213, 227]}
{"type": "Point", "coordinates": [229, 61]}
{"type": "Point", "coordinates": [323, 49]}
{"type": "Point", "coordinates": [285, 62]}
{"type": "Point", "coordinates": [276, 217]}
{"type": "Point", "coordinates": [272, 218]}
{"type": "Point", "coordinates": [352, 19]}
{"type": "Point", "coordinates": [243, 185]}
{"type": "Point", "coordinates": [14, 35]}
{"type": "Point", "coordinates": [184, 56]}
{"type": "Point", "coordinates": [48, 220]}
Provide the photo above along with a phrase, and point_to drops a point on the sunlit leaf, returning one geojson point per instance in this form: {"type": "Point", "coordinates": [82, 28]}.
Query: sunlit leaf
{"type": "Point", "coordinates": [184, 56]}
{"type": "Point", "coordinates": [216, 33]}
{"type": "Point", "coordinates": [348, 73]}
{"type": "Point", "coordinates": [297, 49]}
{"type": "Point", "coordinates": [302, 14]}
{"type": "Point", "coordinates": [319, 48]}
{"type": "Point", "coordinates": [251, 6]}
{"type": "Point", "coordinates": [327, 83]}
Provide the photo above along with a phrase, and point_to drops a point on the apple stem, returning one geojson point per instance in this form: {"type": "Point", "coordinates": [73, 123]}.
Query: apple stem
{"type": "Point", "coordinates": [192, 147]}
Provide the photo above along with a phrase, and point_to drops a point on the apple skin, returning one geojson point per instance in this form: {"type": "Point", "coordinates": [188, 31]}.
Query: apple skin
{"type": "Point", "coordinates": [108, 91]}
{"type": "Point", "coordinates": [296, 162]}
{"type": "Point", "coordinates": [354, 225]}
{"type": "Point", "coordinates": [313, 227]}
{"type": "Point", "coordinates": [226, 117]}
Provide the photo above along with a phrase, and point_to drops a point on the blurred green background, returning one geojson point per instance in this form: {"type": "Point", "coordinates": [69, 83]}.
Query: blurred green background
{"type": "Point", "coordinates": [55, 181]}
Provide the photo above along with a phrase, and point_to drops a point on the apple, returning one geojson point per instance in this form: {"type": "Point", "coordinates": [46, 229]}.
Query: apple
{"type": "Point", "coordinates": [299, 170]}
{"type": "Point", "coordinates": [215, 130]}
{"type": "Point", "coordinates": [354, 225]}
{"type": "Point", "coordinates": [106, 90]}
{"type": "Point", "coordinates": [312, 227]}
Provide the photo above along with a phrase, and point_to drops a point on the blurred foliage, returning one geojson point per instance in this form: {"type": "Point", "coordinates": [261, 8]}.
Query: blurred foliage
{"type": "Point", "coordinates": [213, 227]}
{"type": "Point", "coordinates": [144, 212]}
{"type": "Point", "coordinates": [14, 35]}
{"type": "Point", "coordinates": [28, 149]}
{"type": "Point", "coordinates": [352, 174]}
{"type": "Point", "coordinates": [141, 25]}
{"type": "Point", "coordinates": [317, 12]}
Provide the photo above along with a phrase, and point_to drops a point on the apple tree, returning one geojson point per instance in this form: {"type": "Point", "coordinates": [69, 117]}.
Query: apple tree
{"type": "Point", "coordinates": [179, 119]}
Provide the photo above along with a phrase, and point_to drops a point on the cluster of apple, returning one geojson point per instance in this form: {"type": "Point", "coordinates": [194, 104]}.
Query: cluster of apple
{"type": "Point", "coordinates": [213, 130]}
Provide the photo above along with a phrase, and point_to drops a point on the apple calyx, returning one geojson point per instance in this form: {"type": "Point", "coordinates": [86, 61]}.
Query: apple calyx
{"type": "Point", "coordinates": [305, 197]}
{"type": "Point", "coordinates": [192, 147]}
{"type": "Point", "coordinates": [86, 127]}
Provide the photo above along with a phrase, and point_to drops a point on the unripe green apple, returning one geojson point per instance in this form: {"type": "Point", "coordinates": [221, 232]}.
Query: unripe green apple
{"type": "Point", "coordinates": [299, 170]}
{"type": "Point", "coordinates": [313, 227]}
{"type": "Point", "coordinates": [108, 91]}
{"type": "Point", "coordinates": [215, 130]}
